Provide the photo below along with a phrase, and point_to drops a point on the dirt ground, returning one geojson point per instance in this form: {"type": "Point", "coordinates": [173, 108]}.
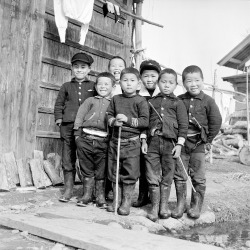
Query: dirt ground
{"type": "Point", "coordinates": [228, 196]}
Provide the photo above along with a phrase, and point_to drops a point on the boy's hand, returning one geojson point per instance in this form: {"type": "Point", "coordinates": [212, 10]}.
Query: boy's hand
{"type": "Point", "coordinates": [208, 146]}
{"type": "Point", "coordinates": [118, 123]}
{"type": "Point", "coordinates": [121, 118]}
{"type": "Point", "coordinates": [144, 147]}
{"type": "Point", "coordinates": [59, 122]}
{"type": "Point", "coordinates": [176, 152]}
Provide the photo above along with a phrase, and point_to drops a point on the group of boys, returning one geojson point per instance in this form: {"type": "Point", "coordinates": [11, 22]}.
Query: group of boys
{"type": "Point", "coordinates": [159, 135]}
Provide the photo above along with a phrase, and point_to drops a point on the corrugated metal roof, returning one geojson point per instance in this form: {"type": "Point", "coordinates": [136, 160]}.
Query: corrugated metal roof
{"type": "Point", "coordinates": [238, 56]}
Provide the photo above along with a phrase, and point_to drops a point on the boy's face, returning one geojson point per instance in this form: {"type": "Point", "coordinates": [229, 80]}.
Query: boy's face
{"type": "Point", "coordinates": [149, 78]}
{"type": "Point", "coordinates": [104, 86]}
{"type": "Point", "coordinates": [116, 67]}
{"type": "Point", "coordinates": [167, 83]}
{"type": "Point", "coordinates": [193, 83]}
{"type": "Point", "coordinates": [80, 70]}
{"type": "Point", "coordinates": [129, 84]}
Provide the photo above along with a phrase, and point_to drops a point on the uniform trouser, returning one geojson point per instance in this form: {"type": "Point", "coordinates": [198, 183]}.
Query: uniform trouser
{"type": "Point", "coordinates": [69, 146]}
{"type": "Point", "coordinates": [194, 162]}
{"type": "Point", "coordinates": [160, 164]}
{"type": "Point", "coordinates": [129, 166]}
{"type": "Point", "coordinates": [143, 180]}
{"type": "Point", "coordinates": [92, 155]}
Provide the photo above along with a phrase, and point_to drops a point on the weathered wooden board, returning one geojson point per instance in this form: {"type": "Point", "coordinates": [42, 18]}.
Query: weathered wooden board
{"type": "Point", "coordinates": [24, 173]}
{"type": "Point", "coordinates": [52, 173]}
{"type": "Point", "coordinates": [9, 161]}
{"type": "Point", "coordinates": [40, 178]}
{"type": "Point", "coordinates": [4, 185]}
{"type": "Point", "coordinates": [93, 236]}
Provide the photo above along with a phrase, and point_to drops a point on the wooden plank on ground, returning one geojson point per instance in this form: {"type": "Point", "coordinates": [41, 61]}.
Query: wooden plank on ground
{"type": "Point", "coordinates": [40, 178]}
{"type": "Point", "coordinates": [4, 185]}
{"type": "Point", "coordinates": [9, 161]}
{"type": "Point", "coordinates": [24, 173]}
{"type": "Point", "coordinates": [93, 236]}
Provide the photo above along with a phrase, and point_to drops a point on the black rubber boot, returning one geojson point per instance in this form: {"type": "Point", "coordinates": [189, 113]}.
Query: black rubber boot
{"type": "Point", "coordinates": [165, 212]}
{"type": "Point", "coordinates": [100, 193]}
{"type": "Point", "coordinates": [196, 202]}
{"type": "Point", "coordinates": [127, 193]}
{"type": "Point", "coordinates": [111, 207]}
{"type": "Point", "coordinates": [69, 185]}
{"type": "Point", "coordinates": [181, 194]}
{"type": "Point", "coordinates": [109, 190]}
{"type": "Point", "coordinates": [88, 187]}
{"type": "Point", "coordinates": [154, 192]}
{"type": "Point", "coordinates": [143, 198]}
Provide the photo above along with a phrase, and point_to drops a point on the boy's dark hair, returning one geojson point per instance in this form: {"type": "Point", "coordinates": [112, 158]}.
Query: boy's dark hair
{"type": "Point", "coordinates": [117, 57]}
{"type": "Point", "coordinates": [108, 75]}
{"type": "Point", "coordinates": [191, 69]}
{"type": "Point", "coordinates": [168, 71]}
{"type": "Point", "coordinates": [131, 70]}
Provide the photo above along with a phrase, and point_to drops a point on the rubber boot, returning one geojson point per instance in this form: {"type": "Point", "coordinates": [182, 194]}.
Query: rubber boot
{"type": "Point", "coordinates": [143, 198]}
{"type": "Point", "coordinates": [109, 190]}
{"type": "Point", "coordinates": [181, 194]}
{"type": "Point", "coordinates": [165, 212]}
{"type": "Point", "coordinates": [111, 207]}
{"type": "Point", "coordinates": [69, 185]}
{"type": "Point", "coordinates": [154, 192]}
{"type": "Point", "coordinates": [100, 193]}
{"type": "Point", "coordinates": [127, 193]}
{"type": "Point", "coordinates": [88, 187]}
{"type": "Point", "coordinates": [196, 202]}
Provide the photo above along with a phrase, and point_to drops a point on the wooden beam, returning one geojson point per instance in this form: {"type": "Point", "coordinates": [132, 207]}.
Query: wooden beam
{"type": "Point", "coordinates": [51, 86]}
{"type": "Point", "coordinates": [137, 17]}
{"type": "Point", "coordinates": [91, 28]}
{"type": "Point", "coordinates": [45, 110]}
{"type": "Point", "coordinates": [48, 134]}
{"type": "Point", "coordinates": [88, 235]}
{"type": "Point", "coordinates": [64, 65]}
{"type": "Point", "coordinates": [234, 60]}
{"type": "Point", "coordinates": [70, 43]}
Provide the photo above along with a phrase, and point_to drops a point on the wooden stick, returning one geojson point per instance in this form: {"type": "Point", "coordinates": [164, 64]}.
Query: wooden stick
{"type": "Point", "coordinates": [136, 17]}
{"type": "Point", "coordinates": [117, 169]}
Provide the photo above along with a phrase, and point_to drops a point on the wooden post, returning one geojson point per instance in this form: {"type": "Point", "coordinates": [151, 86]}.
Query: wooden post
{"type": "Point", "coordinates": [138, 36]}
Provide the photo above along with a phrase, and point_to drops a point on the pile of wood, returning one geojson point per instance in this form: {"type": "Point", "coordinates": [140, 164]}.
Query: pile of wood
{"type": "Point", "coordinates": [229, 141]}
{"type": "Point", "coordinates": [36, 172]}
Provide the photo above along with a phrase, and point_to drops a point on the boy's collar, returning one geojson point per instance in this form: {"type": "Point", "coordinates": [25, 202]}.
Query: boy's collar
{"type": "Point", "coordinates": [172, 95]}
{"type": "Point", "coordinates": [101, 97]}
{"type": "Point", "coordinates": [129, 96]}
{"type": "Point", "coordinates": [199, 96]}
{"type": "Point", "coordinates": [144, 91]}
{"type": "Point", "coordinates": [85, 79]}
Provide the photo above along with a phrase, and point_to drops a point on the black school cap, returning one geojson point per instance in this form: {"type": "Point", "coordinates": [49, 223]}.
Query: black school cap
{"type": "Point", "coordinates": [150, 65]}
{"type": "Point", "coordinates": [82, 57]}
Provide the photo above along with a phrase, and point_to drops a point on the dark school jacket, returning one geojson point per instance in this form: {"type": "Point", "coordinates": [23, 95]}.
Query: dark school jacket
{"type": "Point", "coordinates": [71, 95]}
{"type": "Point", "coordinates": [205, 111]}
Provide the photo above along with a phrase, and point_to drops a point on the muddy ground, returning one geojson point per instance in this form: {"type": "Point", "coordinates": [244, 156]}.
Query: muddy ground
{"type": "Point", "coordinates": [228, 197]}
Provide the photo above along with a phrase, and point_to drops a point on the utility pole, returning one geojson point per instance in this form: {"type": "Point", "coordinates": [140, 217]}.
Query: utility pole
{"type": "Point", "coordinates": [138, 34]}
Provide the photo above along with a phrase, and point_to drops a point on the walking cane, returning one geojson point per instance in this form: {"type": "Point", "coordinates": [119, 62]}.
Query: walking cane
{"type": "Point", "coordinates": [179, 158]}
{"type": "Point", "coordinates": [117, 169]}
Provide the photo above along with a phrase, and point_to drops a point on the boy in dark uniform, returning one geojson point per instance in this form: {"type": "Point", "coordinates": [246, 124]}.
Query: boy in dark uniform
{"type": "Point", "coordinates": [149, 71]}
{"type": "Point", "coordinates": [71, 95]}
{"type": "Point", "coordinates": [204, 124]}
{"type": "Point", "coordinates": [130, 111]}
{"type": "Point", "coordinates": [168, 125]}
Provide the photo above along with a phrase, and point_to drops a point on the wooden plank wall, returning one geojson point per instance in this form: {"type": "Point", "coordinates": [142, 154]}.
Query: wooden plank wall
{"type": "Point", "coordinates": [105, 39]}
{"type": "Point", "coordinates": [21, 22]}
